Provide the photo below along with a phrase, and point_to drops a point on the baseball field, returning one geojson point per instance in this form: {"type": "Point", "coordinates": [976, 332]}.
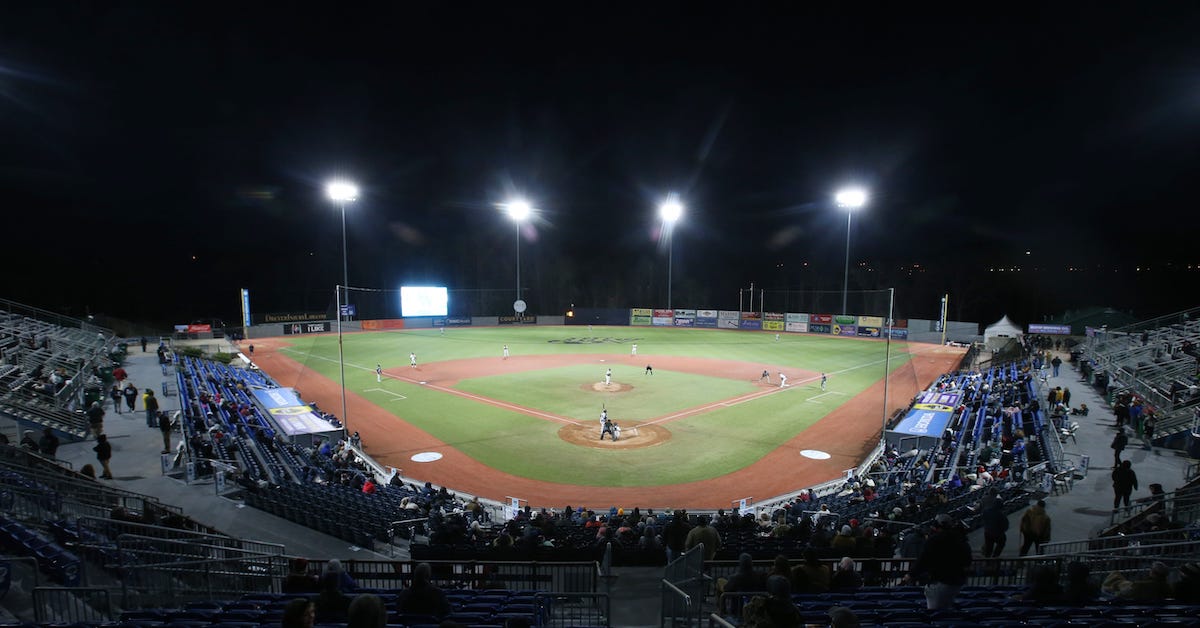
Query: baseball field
{"type": "Point", "coordinates": [702, 427]}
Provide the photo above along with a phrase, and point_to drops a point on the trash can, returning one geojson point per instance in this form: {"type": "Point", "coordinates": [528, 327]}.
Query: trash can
{"type": "Point", "coordinates": [106, 375]}
{"type": "Point", "coordinates": [92, 393]}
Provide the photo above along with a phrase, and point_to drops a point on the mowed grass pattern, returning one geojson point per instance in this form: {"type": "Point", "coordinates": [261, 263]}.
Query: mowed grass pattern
{"type": "Point", "coordinates": [701, 447]}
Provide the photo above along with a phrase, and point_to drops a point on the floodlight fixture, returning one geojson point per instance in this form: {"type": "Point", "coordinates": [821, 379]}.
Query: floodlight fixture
{"type": "Point", "coordinates": [851, 198]}
{"type": "Point", "coordinates": [341, 191]}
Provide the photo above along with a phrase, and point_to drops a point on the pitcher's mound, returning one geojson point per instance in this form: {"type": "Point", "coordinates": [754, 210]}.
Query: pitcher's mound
{"type": "Point", "coordinates": [632, 436]}
{"type": "Point", "coordinates": [612, 388]}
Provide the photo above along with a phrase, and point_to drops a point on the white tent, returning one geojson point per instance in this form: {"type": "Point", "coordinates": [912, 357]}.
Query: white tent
{"type": "Point", "coordinates": [1000, 332]}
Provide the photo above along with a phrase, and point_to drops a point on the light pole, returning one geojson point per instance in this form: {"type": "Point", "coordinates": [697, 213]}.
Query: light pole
{"type": "Point", "coordinates": [519, 210]}
{"type": "Point", "coordinates": [342, 192]}
{"type": "Point", "coordinates": [670, 211]}
{"type": "Point", "coordinates": [849, 199]}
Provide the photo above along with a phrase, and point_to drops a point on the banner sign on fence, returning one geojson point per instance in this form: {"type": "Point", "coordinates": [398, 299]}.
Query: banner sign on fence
{"type": "Point", "coordinates": [794, 317]}
{"type": "Point", "coordinates": [349, 309]}
{"type": "Point", "coordinates": [1061, 330]}
{"type": "Point", "coordinates": [845, 330]}
{"type": "Point", "coordinates": [199, 329]}
{"type": "Point", "coordinates": [640, 316]}
{"type": "Point", "coordinates": [706, 313]}
{"type": "Point", "coordinates": [728, 314]}
{"type": "Point", "coordinates": [664, 313]}
{"type": "Point", "coordinates": [685, 313]}
{"type": "Point", "coordinates": [517, 320]}
{"type": "Point", "coordinates": [388, 323]}
{"type": "Point", "coordinates": [869, 332]}
{"type": "Point", "coordinates": [294, 317]}
{"type": "Point", "coordinates": [706, 318]}
{"type": "Point", "coordinates": [452, 321]}
{"type": "Point", "coordinates": [662, 321]}
{"type": "Point", "coordinates": [824, 319]}
{"type": "Point", "coordinates": [748, 316]}
{"type": "Point", "coordinates": [819, 328]}
{"type": "Point", "coordinates": [796, 327]}
{"type": "Point", "coordinates": [900, 333]}
{"type": "Point", "coordinates": [295, 329]}
{"type": "Point", "coordinates": [728, 323]}
{"type": "Point", "coordinates": [772, 325]}
{"type": "Point", "coordinates": [751, 323]}
{"type": "Point", "coordinates": [773, 316]}
{"type": "Point", "coordinates": [684, 322]}
{"type": "Point", "coordinates": [845, 319]}
{"type": "Point", "coordinates": [870, 321]}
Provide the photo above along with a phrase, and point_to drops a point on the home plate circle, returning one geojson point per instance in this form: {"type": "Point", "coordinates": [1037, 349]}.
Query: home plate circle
{"type": "Point", "coordinates": [807, 453]}
{"type": "Point", "coordinates": [430, 456]}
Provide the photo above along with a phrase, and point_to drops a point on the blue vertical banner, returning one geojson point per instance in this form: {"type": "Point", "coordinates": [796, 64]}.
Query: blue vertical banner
{"type": "Point", "coordinates": [246, 308]}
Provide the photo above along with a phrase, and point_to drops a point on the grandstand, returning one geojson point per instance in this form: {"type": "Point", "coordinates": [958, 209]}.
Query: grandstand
{"type": "Point", "coordinates": [214, 540]}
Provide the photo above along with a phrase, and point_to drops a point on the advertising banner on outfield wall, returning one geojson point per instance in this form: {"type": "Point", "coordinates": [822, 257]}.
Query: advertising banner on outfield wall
{"type": "Point", "coordinates": [900, 333]}
{"type": "Point", "coordinates": [820, 328]}
{"type": "Point", "coordinates": [706, 314]}
{"type": "Point", "coordinates": [728, 323]}
{"type": "Point", "coordinates": [902, 323]}
{"type": "Point", "coordinates": [727, 314]}
{"type": "Point", "coordinates": [706, 318]}
{"type": "Point", "coordinates": [295, 329]}
{"type": "Point", "coordinates": [751, 323]}
{"type": "Point", "coordinates": [870, 332]}
{"type": "Point", "coordinates": [517, 320]}
{"type": "Point", "coordinates": [773, 316]}
{"type": "Point", "coordinates": [663, 318]}
{"type": "Point", "coordinates": [870, 321]}
{"type": "Point", "coordinates": [452, 321]}
{"type": "Point", "coordinates": [640, 316]}
{"type": "Point", "coordinates": [772, 325]}
{"type": "Point", "coordinates": [796, 327]}
{"type": "Point", "coordinates": [293, 317]}
{"type": "Point", "coordinates": [823, 319]}
{"type": "Point", "coordinates": [845, 319]}
{"type": "Point", "coordinates": [664, 313]}
{"type": "Point", "coordinates": [756, 316]}
{"type": "Point", "coordinates": [845, 330]}
{"type": "Point", "coordinates": [685, 313]}
{"type": "Point", "coordinates": [793, 317]}
{"type": "Point", "coordinates": [684, 322]}
{"type": "Point", "coordinates": [394, 323]}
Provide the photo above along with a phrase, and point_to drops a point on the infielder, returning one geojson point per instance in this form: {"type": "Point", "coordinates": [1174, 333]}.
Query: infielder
{"type": "Point", "coordinates": [649, 370]}
{"type": "Point", "coordinates": [782, 379]}
{"type": "Point", "coordinates": [608, 377]}
{"type": "Point", "coordinates": [412, 360]}
{"type": "Point", "coordinates": [634, 349]}
{"type": "Point", "coordinates": [765, 376]}
{"type": "Point", "coordinates": [378, 373]}
{"type": "Point", "coordinates": [505, 352]}
{"type": "Point", "coordinates": [823, 379]}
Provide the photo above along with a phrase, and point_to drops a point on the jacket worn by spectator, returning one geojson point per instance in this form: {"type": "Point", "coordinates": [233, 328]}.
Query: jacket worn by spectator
{"type": "Point", "coordinates": [945, 558]}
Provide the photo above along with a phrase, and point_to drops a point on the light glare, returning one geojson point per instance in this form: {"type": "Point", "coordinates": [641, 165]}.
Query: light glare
{"type": "Point", "coordinates": [670, 210]}
{"type": "Point", "coordinates": [851, 198]}
{"type": "Point", "coordinates": [342, 191]}
{"type": "Point", "coordinates": [518, 209]}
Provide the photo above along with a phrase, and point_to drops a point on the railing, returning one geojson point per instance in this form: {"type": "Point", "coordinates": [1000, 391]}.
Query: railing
{"type": "Point", "coordinates": [170, 583]}
{"type": "Point", "coordinates": [114, 528]}
{"type": "Point", "coordinates": [71, 605]}
{"type": "Point", "coordinates": [563, 610]}
{"type": "Point", "coordinates": [683, 588]}
{"type": "Point", "coordinates": [559, 577]}
{"type": "Point", "coordinates": [716, 621]}
{"type": "Point", "coordinates": [1168, 542]}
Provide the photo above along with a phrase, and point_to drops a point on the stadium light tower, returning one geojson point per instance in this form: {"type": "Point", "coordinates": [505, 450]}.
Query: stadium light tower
{"type": "Point", "coordinates": [342, 192]}
{"type": "Point", "coordinates": [670, 211]}
{"type": "Point", "coordinates": [849, 199]}
{"type": "Point", "coordinates": [519, 210]}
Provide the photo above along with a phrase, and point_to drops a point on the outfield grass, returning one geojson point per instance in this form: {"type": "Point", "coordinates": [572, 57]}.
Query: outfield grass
{"type": "Point", "coordinates": [704, 446]}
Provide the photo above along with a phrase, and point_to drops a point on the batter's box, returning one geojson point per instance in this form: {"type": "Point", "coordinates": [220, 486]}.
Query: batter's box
{"type": "Point", "coordinates": [395, 396]}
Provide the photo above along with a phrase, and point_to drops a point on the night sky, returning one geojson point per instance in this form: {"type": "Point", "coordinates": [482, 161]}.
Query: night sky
{"type": "Point", "coordinates": [157, 157]}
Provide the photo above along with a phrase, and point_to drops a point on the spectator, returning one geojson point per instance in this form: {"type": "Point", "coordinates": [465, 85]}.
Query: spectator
{"type": "Point", "coordinates": [299, 613]}
{"type": "Point", "coordinates": [115, 395]}
{"type": "Point", "coordinates": [1035, 527]}
{"type": "Point", "coordinates": [332, 605]}
{"type": "Point", "coordinates": [995, 528]}
{"type": "Point", "coordinates": [423, 597]}
{"type": "Point", "coordinates": [165, 426]}
{"type": "Point", "coordinates": [1124, 482]}
{"type": "Point", "coordinates": [943, 563]}
{"type": "Point", "coordinates": [810, 573]}
{"type": "Point", "coordinates": [28, 443]}
{"type": "Point", "coordinates": [844, 541]}
{"type": "Point", "coordinates": [842, 617]}
{"type": "Point", "coordinates": [95, 415]}
{"type": "Point", "coordinates": [774, 610]}
{"type": "Point", "coordinates": [746, 578]}
{"type": "Point", "coordinates": [48, 443]}
{"type": "Point", "coordinates": [846, 577]}
{"type": "Point", "coordinates": [1042, 586]}
{"type": "Point", "coordinates": [131, 393]}
{"type": "Point", "coordinates": [103, 453]}
{"type": "Point", "coordinates": [1151, 588]}
{"type": "Point", "coordinates": [781, 567]}
{"type": "Point", "coordinates": [676, 535]}
{"type": "Point", "coordinates": [150, 404]}
{"type": "Point", "coordinates": [1080, 588]}
{"type": "Point", "coordinates": [88, 471]}
{"type": "Point", "coordinates": [706, 535]}
{"type": "Point", "coordinates": [298, 579]}
{"type": "Point", "coordinates": [344, 581]}
{"type": "Point", "coordinates": [1118, 445]}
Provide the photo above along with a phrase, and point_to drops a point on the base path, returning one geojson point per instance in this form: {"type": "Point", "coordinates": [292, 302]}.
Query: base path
{"type": "Point", "coordinates": [848, 433]}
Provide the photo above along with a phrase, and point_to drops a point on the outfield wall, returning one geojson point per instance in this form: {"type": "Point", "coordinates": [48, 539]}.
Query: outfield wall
{"type": "Point", "coordinates": [916, 329]}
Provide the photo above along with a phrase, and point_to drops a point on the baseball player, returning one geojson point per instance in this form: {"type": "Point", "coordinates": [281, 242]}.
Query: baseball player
{"type": "Point", "coordinates": [616, 431]}
{"type": "Point", "coordinates": [782, 380]}
{"type": "Point", "coordinates": [608, 377]}
{"type": "Point", "coordinates": [605, 428]}
{"type": "Point", "coordinates": [776, 337]}
{"type": "Point", "coordinates": [634, 349]}
{"type": "Point", "coordinates": [649, 370]}
{"type": "Point", "coordinates": [412, 360]}
{"type": "Point", "coordinates": [505, 352]}
{"type": "Point", "coordinates": [823, 380]}
{"type": "Point", "coordinates": [378, 373]}
{"type": "Point", "coordinates": [766, 376]}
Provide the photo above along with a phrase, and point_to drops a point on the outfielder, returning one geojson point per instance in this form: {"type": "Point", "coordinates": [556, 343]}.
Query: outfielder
{"type": "Point", "coordinates": [378, 373]}
{"type": "Point", "coordinates": [608, 377]}
{"type": "Point", "coordinates": [505, 352]}
{"type": "Point", "coordinates": [412, 360]}
{"type": "Point", "coordinates": [634, 349]}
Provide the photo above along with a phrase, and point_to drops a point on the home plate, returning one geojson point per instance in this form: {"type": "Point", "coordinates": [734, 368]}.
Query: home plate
{"type": "Point", "coordinates": [807, 453]}
{"type": "Point", "coordinates": [430, 456]}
